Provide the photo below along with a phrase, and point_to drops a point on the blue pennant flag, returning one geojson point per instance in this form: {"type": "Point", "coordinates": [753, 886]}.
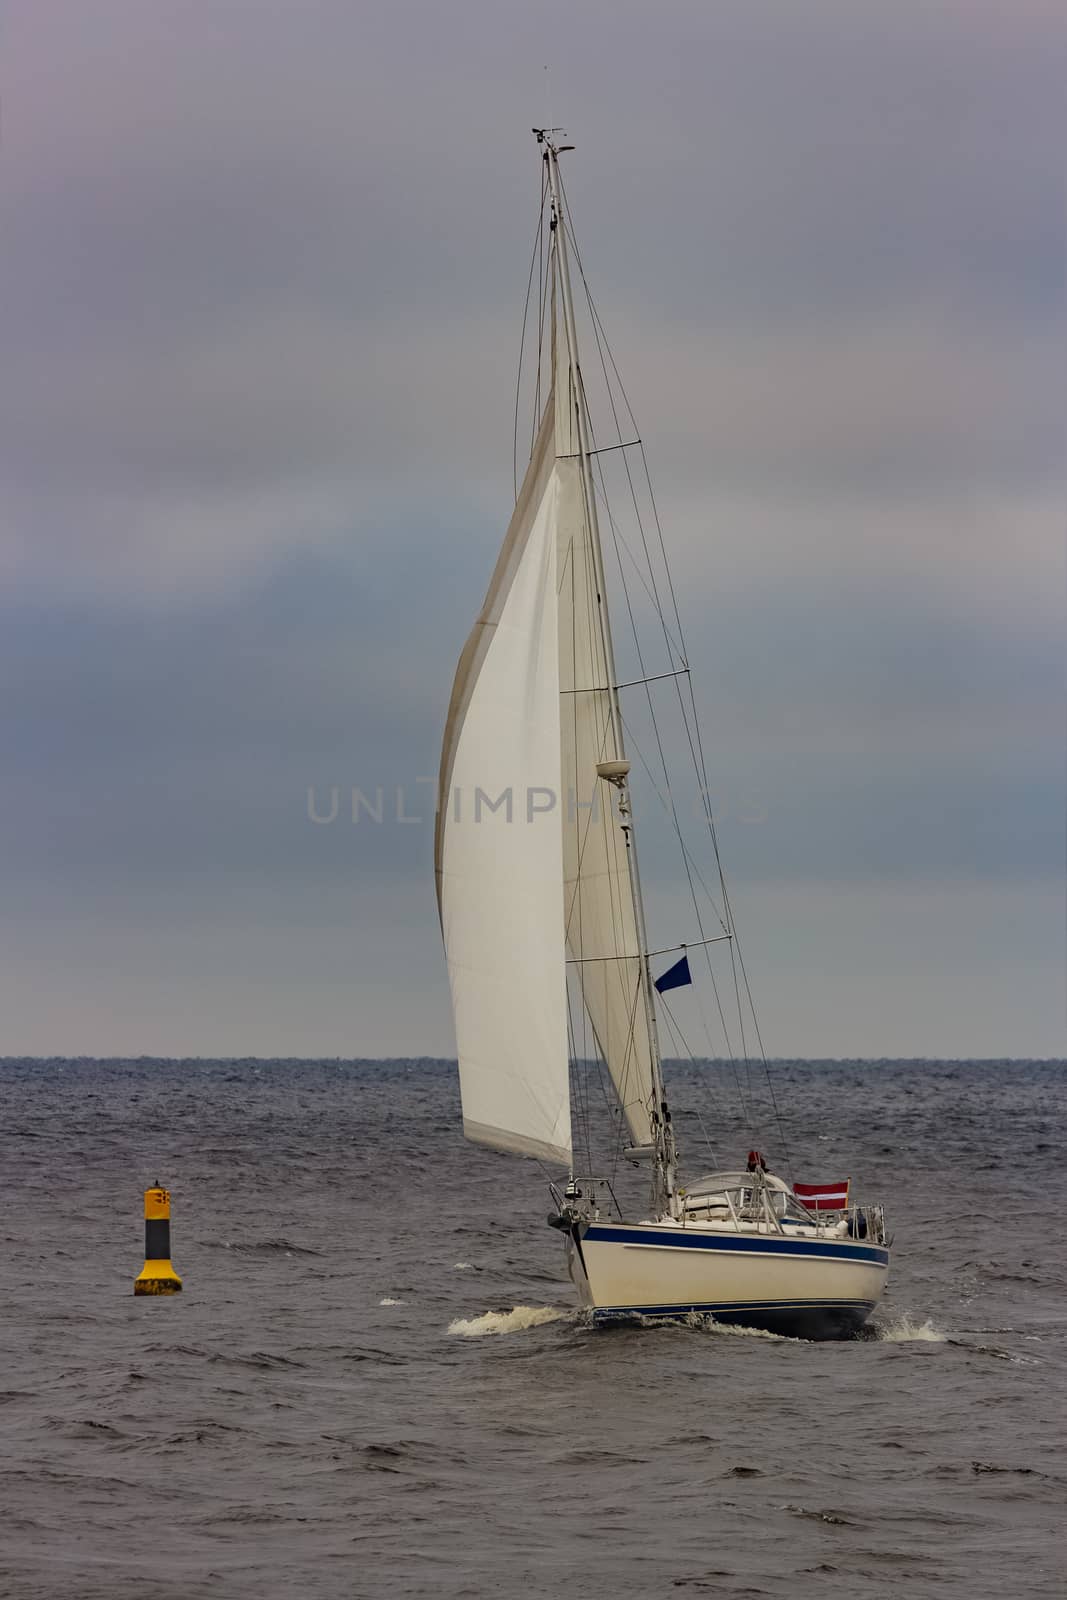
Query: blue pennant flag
{"type": "Point", "coordinates": [675, 977]}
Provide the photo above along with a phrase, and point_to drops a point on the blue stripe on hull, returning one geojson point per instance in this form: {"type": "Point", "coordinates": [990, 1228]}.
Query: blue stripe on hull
{"type": "Point", "coordinates": [751, 1244]}
{"type": "Point", "coordinates": [714, 1309]}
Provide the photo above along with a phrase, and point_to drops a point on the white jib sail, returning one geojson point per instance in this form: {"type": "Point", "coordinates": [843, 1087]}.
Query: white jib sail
{"type": "Point", "coordinates": [498, 851]}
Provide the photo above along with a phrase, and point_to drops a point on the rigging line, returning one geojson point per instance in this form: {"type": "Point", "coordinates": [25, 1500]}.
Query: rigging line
{"type": "Point", "coordinates": [673, 809]}
{"type": "Point", "coordinates": [585, 1069]}
{"type": "Point", "coordinates": [657, 677]}
{"type": "Point", "coordinates": [535, 258]}
{"type": "Point", "coordinates": [731, 1054]}
{"type": "Point", "coordinates": [707, 1137]}
{"type": "Point", "coordinates": [598, 333]}
{"type": "Point", "coordinates": [624, 444]}
{"type": "Point", "coordinates": [627, 1093]}
{"type": "Point", "coordinates": [630, 484]}
{"type": "Point", "coordinates": [686, 853]}
{"type": "Point", "coordinates": [646, 680]}
{"type": "Point", "coordinates": [694, 1062]}
{"type": "Point", "coordinates": [544, 284]}
{"type": "Point", "coordinates": [698, 759]}
{"type": "Point", "coordinates": [644, 462]}
{"type": "Point", "coordinates": [694, 944]}
{"type": "Point", "coordinates": [637, 682]}
{"type": "Point", "coordinates": [699, 767]}
{"type": "Point", "coordinates": [728, 907]}
{"type": "Point", "coordinates": [674, 648]}
{"type": "Point", "coordinates": [580, 387]}
{"type": "Point", "coordinates": [672, 1032]}
{"type": "Point", "coordinates": [698, 753]}
{"type": "Point", "coordinates": [741, 1025]}
{"type": "Point", "coordinates": [634, 683]}
{"type": "Point", "coordinates": [667, 799]}
{"type": "Point", "coordinates": [763, 1054]}
{"type": "Point", "coordinates": [677, 1030]}
{"type": "Point", "coordinates": [598, 330]}
{"type": "Point", "coordinates": [659, 745]}
{"type": "Point", "coordinates": [618, 534]}
{"type": "Point", "coordinates": [580, 1087]}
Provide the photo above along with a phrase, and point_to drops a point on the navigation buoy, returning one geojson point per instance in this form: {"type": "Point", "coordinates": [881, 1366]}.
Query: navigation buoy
{"type": "Point", "coordinates": [157, 1276]}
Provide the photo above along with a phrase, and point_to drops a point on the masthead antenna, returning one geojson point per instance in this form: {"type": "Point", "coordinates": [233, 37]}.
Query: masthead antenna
{"type": "Point", "coordinates": [547, 136]}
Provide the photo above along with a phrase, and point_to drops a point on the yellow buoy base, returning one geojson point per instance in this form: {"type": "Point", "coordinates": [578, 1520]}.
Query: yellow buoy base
{"type": "Point", "coordinates": [157, 1277]}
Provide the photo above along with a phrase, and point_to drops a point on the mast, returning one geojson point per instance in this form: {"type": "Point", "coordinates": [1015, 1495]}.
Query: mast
{"type": "Point", "coordinates": [665, 1163]}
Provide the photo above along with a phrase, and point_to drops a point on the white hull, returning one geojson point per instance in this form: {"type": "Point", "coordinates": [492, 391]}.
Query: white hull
{"type": "Point", "coordinates": [822, 1288]}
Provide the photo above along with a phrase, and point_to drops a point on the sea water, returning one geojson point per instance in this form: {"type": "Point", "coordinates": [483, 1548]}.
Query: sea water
{"type": "Point", "coordinates": [375, 1382]}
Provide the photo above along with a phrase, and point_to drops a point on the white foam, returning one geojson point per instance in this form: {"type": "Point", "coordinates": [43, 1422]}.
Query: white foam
{"type": "Point", "coordinates": [736, 1331]}
{"type": "Point", "coordinates": [388, 1302]}
{"type": "Point", "coordinates": [905, 1331]}
{"type": "Point", "coordinates": [517, 1320]}
{"type": "Point", "coordinates": [462, 1266]}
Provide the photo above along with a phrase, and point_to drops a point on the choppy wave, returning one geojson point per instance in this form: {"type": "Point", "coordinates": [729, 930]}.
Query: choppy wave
{"type": "Point", "coordinates": [517, 1320]}
{"type": "Point", "coordinates": [273, 1449]}
{"type": "Point", "coordinates": [389, 1301]}
{"type": "Point", "coordinates": [261, 1247]}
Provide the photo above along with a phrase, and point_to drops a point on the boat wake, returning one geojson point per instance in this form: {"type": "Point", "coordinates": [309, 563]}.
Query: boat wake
{"type": "Point", "coordinates": [734, 1330]}
{"type": "Point", "coordinates": [905, 1331]}
{"type": "Point", "coordinates": [517, 1320]}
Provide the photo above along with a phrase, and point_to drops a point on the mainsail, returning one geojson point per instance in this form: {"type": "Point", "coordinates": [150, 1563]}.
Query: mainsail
{"type": "Point", "coordinates": [533, 864]}
{"type": "Point", "coordinates": [601, 921]}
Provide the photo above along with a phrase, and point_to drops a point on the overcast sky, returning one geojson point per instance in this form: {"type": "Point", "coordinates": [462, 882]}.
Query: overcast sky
{"type": "Point", "coordinates": [261, 278]}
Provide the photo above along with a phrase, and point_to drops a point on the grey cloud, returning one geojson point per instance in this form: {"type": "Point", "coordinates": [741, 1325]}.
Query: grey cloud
{"type": "Point", "coordinates": [260, 290]}
{"type": "Point", "coordinates": [248, 260]}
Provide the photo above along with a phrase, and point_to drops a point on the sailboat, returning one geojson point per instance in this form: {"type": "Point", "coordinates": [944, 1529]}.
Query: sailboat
{"type": "Point", "coordinates": [544, 921]}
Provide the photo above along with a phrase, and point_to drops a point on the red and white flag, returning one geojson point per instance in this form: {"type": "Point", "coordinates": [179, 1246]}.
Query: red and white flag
{"type": "Point", "coordinates": [823, 1196]}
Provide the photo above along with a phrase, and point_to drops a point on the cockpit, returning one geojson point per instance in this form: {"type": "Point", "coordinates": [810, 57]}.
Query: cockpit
{"type": "Point", "coordinates": [743, 1197]}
